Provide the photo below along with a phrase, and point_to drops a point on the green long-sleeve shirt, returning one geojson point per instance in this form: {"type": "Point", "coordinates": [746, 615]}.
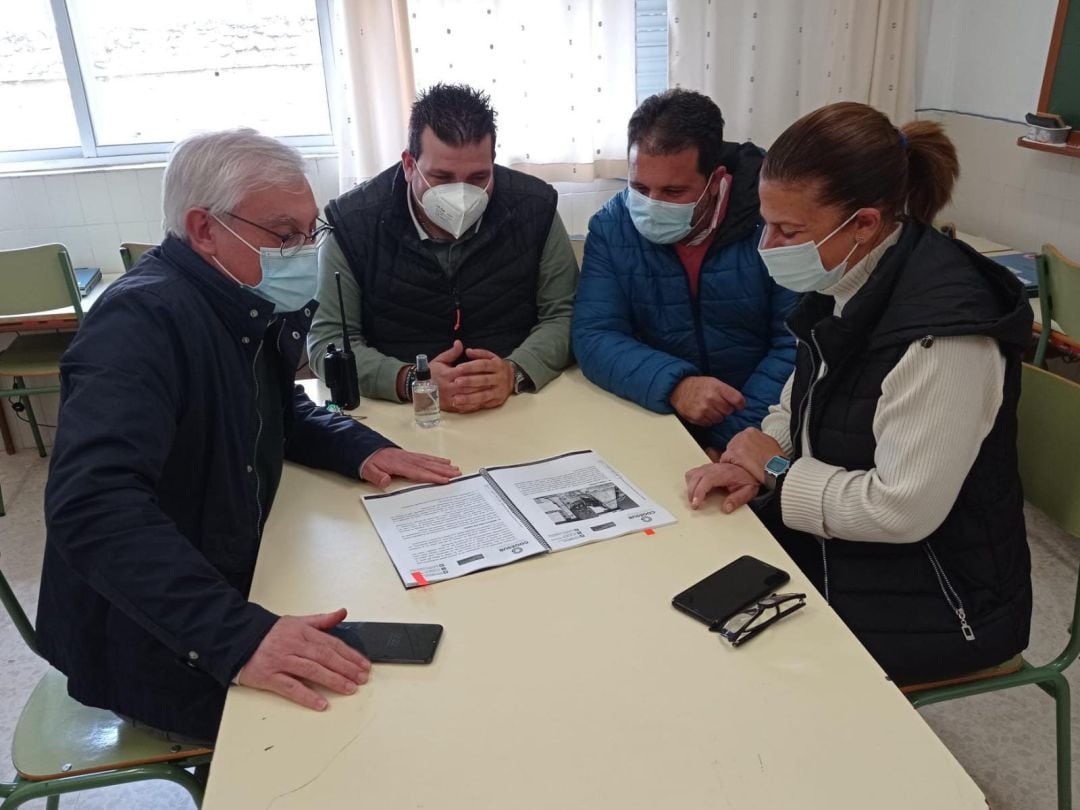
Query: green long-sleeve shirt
{"type": "Point", "coordinates": [542, 355]}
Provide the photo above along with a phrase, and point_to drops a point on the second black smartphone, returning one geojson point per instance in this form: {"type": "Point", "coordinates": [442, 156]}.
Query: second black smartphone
{"type": "Point", "coordinates": [725, 592]}
{"type": "Point", "coordinates": [391, 642]}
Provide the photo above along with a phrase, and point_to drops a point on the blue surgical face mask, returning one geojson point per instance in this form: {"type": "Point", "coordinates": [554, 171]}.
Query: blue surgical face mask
{"type": "Point", "coordinates": [663, 223]}
{"type": "Point", "coordinates": [799, 267]}
{"type": "Point", "coordinates": [288, 282]}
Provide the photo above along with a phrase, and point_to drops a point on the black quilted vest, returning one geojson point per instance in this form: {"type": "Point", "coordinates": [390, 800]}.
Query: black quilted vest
{"type": "Point", "coordinates": [409, 304]}
{"type": "Point", "coordinates": [894, 596]}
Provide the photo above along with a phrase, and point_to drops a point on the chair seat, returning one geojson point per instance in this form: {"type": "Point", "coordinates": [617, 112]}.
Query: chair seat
{"type": "Point", "coordinates": [57, 736]}
{"type": "Point", "coordinates": [1014, 664]}
{"type": "Point", "coordinates": [34, 355]}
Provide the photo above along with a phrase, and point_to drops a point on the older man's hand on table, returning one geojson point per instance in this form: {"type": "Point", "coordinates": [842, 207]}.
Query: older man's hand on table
{"type": "Point", "coordinates": [383, 465]}
{"type": "Point", "coordinates": [297, 650]}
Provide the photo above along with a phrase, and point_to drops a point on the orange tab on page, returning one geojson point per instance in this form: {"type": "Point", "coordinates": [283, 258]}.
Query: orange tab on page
{"type": "Point", "coordinates": [650, 531]}
{"type": "Point", "coordinates": [419, 578]}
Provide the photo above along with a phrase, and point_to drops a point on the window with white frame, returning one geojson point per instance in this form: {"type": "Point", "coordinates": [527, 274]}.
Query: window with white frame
{"type": "Point", "coordinates": [651, 41]}
{"type": "Point", "coordinates": [86, 79]}
{"type": "Point", "coordinates": [33, 87]}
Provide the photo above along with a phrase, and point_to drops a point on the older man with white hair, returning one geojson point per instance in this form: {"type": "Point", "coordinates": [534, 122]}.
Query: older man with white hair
{"type": "Point", "coordinates": [178, 409]}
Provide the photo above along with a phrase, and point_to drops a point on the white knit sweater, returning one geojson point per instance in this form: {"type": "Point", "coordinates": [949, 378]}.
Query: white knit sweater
{"type": "Point", "coordinates": [936, 407]}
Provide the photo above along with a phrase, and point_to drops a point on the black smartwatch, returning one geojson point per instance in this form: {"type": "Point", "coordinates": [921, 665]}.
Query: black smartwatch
{"type": "Point", "coordinates": [775, 470]}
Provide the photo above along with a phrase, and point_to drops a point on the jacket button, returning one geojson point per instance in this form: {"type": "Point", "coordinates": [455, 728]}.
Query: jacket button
{"type": "Point", "coordinates": [295, 335]}
{"type": "Point", "coordinates": [927, 341]}
{"type": "Point", "coordinates": [245, 339]}
{"type": "Point", "coordinates": [254, 313]}
{"type": "Point", "coordinates": [250, 468]}
{"type": "Point", "coordinates": [194, 656]}
{"type": "Point", "coordinates": [307, 312]}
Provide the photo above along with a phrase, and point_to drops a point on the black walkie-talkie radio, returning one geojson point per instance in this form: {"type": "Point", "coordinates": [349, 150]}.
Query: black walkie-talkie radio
{"type": "Point", "coordinates": [339, 365]}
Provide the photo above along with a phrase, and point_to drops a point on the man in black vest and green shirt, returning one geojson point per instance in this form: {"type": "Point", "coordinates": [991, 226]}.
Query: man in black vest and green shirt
{"type": "Point", "coordinates": [448, 255]}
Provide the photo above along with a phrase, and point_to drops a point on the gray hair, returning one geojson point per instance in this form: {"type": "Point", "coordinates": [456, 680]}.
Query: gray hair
{"type": "Point", "coordinates": [216, 170]}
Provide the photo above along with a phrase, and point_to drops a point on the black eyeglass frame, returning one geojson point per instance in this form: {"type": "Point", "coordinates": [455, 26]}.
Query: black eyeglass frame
{"type": "Point", "coordinates": [754, 612]}
{"type": "Point", "coordinates": [292, 242]}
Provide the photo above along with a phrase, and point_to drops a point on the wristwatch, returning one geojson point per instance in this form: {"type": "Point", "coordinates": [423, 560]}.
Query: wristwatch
{"type": "Point", "coordinates": [522, 383]}
{"type": "Point", "coordinates": [410, 378]}
{"type": "Point", "coordinates": [775, 470]}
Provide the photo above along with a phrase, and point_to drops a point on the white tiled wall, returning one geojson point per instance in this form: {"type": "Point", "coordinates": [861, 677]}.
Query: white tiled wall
{"type": "Point", "coordinates": [579, 201]}
{"type": "Point", "coordinates": [1019, 197]}
{"type": "Point", "coordinates": [92, 212]}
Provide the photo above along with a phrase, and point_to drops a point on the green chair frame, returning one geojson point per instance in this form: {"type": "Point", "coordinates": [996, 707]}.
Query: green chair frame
{"type": "Point", "coordinates": [36, 279]}
{"type": "Point", "coordinates": [131, 252]}
{"type": "Point", "coordinates": [1059, 297]}
{"type": "Point", "coordinates": [21, 790]}
{"type": "Point", "coordinates": [1049, 417]}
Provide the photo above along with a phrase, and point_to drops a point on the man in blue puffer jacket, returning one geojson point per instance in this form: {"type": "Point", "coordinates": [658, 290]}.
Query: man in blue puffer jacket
{"type": "Point", "coordinates": [675, 309]}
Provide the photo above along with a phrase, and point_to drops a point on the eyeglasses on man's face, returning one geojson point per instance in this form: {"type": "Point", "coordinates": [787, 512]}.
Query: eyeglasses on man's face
{"type": "Point", "coordinates": [751, 620]}
{"type": "Point", "coordinates": [292, 242]}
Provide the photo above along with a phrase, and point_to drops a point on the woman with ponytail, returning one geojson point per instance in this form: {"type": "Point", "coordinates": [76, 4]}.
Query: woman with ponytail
{"type": "Point", "coordinates": [889, 466]}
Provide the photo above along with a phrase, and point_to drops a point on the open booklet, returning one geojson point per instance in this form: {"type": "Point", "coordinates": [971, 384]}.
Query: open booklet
{"type": "Point", "coordinates": [503, 514]}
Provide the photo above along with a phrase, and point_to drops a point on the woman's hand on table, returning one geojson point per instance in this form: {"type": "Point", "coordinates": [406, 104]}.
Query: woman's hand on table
{"type": "Point", "coordinates": [741, 487]}
{"type": "Point", "coordinates": [751, 450]}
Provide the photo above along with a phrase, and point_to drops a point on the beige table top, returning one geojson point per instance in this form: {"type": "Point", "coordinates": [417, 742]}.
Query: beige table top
{"type": "Point", "coordinates": [569, 680]}
{"type": "Point", "coordinates": [982, 244]}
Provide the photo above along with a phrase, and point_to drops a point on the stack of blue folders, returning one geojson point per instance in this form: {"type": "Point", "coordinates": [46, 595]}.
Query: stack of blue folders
{"type": "Point", "coordinates": [87, 277]}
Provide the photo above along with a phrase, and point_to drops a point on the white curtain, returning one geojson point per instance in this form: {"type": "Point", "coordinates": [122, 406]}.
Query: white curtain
{"type": "Point", "coordinates": [768, 62]}
{"type": "Point", "coordinates": [371, 40]}
{"type": "Point", "coordinates": [560, 74]}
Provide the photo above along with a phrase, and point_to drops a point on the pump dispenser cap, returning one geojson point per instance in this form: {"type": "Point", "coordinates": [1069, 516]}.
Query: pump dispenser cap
{"type": "Point", "coordinates": [423, 372]}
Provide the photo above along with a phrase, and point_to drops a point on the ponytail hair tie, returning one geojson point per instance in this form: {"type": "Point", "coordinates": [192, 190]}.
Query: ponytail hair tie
{"type": "Point", "coordinates": [903, 139]}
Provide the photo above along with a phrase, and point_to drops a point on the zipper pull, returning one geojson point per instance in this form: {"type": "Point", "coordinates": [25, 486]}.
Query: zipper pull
{"type": "Point", "coordinates": [965, 628]}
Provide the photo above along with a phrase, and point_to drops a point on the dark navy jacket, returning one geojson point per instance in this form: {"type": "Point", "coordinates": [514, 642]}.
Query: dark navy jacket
{"type": "Point", "coordinates": [153, 507]}
{"type": "Point", "coordinates": [638, 332]}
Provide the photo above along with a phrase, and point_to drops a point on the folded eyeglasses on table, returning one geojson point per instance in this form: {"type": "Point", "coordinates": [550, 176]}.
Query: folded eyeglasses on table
{"type": "Point", "coordinates": [752, 619]}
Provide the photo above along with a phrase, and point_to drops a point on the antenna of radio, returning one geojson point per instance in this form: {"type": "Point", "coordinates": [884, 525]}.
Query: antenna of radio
{"type": "Point", "coordinates": [341, 304]}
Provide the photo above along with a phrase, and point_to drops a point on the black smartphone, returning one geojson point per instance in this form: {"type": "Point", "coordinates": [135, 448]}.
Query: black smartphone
{"type": "Point", "coordinates": [727, 591]}
{"type": "Point", "coordinates": [391, 642]}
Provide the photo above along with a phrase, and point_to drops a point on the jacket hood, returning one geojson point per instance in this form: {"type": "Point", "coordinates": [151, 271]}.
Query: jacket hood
{"type": "Point", "coordinates": [743, 162]}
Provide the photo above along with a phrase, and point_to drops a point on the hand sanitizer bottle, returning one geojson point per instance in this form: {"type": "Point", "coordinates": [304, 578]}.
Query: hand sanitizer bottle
{"type": "Point", "coordinates": [425, 395]}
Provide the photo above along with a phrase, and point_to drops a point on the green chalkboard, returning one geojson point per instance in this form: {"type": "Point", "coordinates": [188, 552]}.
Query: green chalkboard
{"type": "Point", "coordinates": [1064, 95]}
